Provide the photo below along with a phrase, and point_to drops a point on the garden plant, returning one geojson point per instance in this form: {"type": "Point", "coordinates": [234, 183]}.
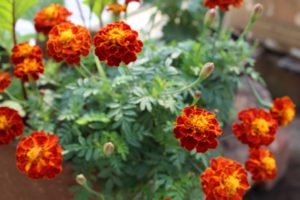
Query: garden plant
{"type": "Point", "coordinates": [137, 118]}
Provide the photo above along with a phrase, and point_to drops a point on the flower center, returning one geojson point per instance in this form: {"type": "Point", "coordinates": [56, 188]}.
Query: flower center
{"type": "Point", "coordinates": [231, 184]}
{"type": "Point", "coordinates": [287, 115]}
{"type": "Point", "coordinates": [30, 66]}
{"type": "Point", "coordinates": [25, 50]}
{"type": "Point", "coordinates": [66, 36]}
{"type": "Point", "coordinates": [34, 153]}
{"type": "Point", "coordinates": [269, 163]}
{"type": "Point", "coordinates": [116, 35]}
{"type": "Point", "coordinates": [50, 12]}
{"type": "Point", "coordinates": [3, 122]}
{"type": "Point", "coordinates": [261, 126]}
{"type": "Point", "coordinates": [198, 122]}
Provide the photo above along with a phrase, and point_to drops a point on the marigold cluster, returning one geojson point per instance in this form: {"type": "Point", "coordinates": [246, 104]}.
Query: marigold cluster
{"type": "Point", "coordinates": [257, 127]}
{"type": "Point", "coordinates": [223, 4]}
{"type": "Point", "coordinates": [5, 81]}
{"type": "Point", "coordinates": [261, 164]}
{"type": "Point", "coordinates": [50, 16]}
{"type": "Point", "coordinates": [116, 8]}
{"type": "Point", "coordinates": [11, 125]}
{"type": "Point", "coordinates": [39, 155]}
{"type": "Point", "coordinates": [68, 42]}
{"type": "Point", "coordinates": [117, 42]}
{"type": "Point", "coordinates": [197, 128]}
{"type": "Point", "coordinates": [28, 61]}
{"type": "Point", "coordinates": [283, 110]}
{"type": "Point", "coordinates": [225, 179]}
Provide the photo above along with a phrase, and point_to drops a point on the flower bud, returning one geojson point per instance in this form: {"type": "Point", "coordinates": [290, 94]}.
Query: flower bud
{"type": "Point", "coordinates": [258, 10]}
{"type": "Point", "coordinates": [210, 17]}
{"type": "Point", "coordinates": [197, 94]}
{"type": "Point", "coordinates": [207, 70]}
{"type": "Point", "coordinates": [108, 148]}
{"type": "Point", "coordinates": [80, 179]}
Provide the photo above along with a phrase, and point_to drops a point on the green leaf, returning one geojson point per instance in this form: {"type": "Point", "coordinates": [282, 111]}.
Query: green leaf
{"type": "Point", "coordinates": [97, 6]}
{"type": "Point", "coordinates": [11, 10]}
{"type": "Point", "coordinates": [92, 117]}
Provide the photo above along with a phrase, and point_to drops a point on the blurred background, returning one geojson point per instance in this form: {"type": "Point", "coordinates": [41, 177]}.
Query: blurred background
{"type": "Point", "coordinates": [277, 56]}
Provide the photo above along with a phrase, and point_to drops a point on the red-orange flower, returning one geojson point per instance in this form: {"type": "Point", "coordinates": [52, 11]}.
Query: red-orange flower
{"type": "Point", "coordinates": [197, 128]}
{"type": "Point", "coordinates": [29, 69]}
{"type": "Point", "coordinates": [116, 8]}
{"type": "Point", "coordinates": [39, 155]}
{"type": "Point", "coordinates": [128, 1]}
{"type": "Point", "coordinates": [225, 179]}
{"type": "Point", "coordinates": [25, 50]}
{"type": "Point", "coordinates": [261, 164]}
{"type": "Point", "coordinates": [68, 42]}
{"type": "Point", "coordinates": [50, 16]}
{"type": "Point", "coordinates": [5, 81]}
{"type": "Point", "coordinates": [283, 110]}
{"type": "Point", "coordinates": [257, 127]}
{"type": "Point", "coordinates": [11, 125]}
{"type": "Point", "coordinates": [117, 42]}
{"type": "Point", "coordinates": [223, 4]}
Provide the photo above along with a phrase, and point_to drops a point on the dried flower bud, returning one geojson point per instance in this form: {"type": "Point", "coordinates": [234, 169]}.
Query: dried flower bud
{"type": "Point", "coordinates": [80, 179]}
{"type": "Point", "coordinates": [207, 70]}
{"type": "Point", "coordinates": [258, 10]}
{"type": "Point", "coordinates": [197, 94]}
{"type": "Point", "coordinates": [108, 148]}
{"type": "Point", "coordinates": [210, 17]}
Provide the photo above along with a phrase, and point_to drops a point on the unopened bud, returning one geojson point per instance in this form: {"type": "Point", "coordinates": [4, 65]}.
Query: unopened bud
{"type": "Point", "coordinates": [258, 10]}
{"type": "Point", "coordinates": [197, 94]}
{"type": "Point", "coordinates": [207, 70]}
{"type": "Point", "coordinates": [108, 148]}
{"type": "Point", "coordinates": [80, 179]}
{"type": "Point", "coordinates": [210, 17]}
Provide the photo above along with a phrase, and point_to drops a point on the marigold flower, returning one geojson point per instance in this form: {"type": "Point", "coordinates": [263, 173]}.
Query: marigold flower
{"type": "Point", "coordinates": [25, 50]}
{"type": "Point", "coordinates": [117, 42]}
{"type": "Point", "coordinates": [283, 110]}
{"type": "Point", "coordinates": [11, 125]}
{"type": "Point", "coordinates": [50, 16]}
{"type": "Point", "coordinates": [225, 179]}
{"type": "Point", "coordinates": [29, 69]}
{"type": "Point", "coordinates": [68, 42]}
{"type": "Point", "coordinates": [261, 164]}
{"type": "Point", "coordinates": [257, 127]}
{"type": "Point", "coordinates": [5, 81]}
{"type": "Point", "coordinates": [197, 128]}
{"type": "Point", "coordinates": [39, 155]}
{"type": "Point", "coordinates": [223, 4]}
{"type": "Point", "coordinates": [116, 8]}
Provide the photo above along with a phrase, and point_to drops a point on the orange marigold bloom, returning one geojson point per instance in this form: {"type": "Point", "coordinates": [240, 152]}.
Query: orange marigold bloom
{"type": "Point", "coordinates": [11, 125]}
{"type": "Point", "coordinates": [197, 128]}
{"type": "Point", "coordinates": [50, 16]}
{"type": "Point", "coordinates": [261, 164]}
{"type": "Point", "coordinates": [25, 50]}
{"type": "Point", "coordinates": [117, 42]}
{"type": "Point", "coordinates": [223, 4]}
{"type": "Point", "coordinates": [116, 8]}
{"type": "Point", "coordinates": [283, 110]}
{"type": "Point", "coordinates": [29, 69]}
{"type": "Point", "coordinates": [257, 127]}
{"type": "Point", "coordinates": [5, 81]}
{"type": "Point", "coordinates": [225, 179]}
{"type": "Point", "coordinates": [68, 42]}
{"type": "Point", "coordinates": [39, 155]}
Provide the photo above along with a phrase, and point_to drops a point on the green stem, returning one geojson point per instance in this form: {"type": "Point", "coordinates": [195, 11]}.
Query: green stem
{"type": "Point", "coordinates": [12, 97]}
{"type": "Point", "coordinates": [100, 68]}
{"type": "Point", "coordinates": [248, 27]}
{"type": "Point", "coordinates": [80, 71]}
{"type": "Point", "coordinates": [199, 80]}
{"type": "Point", "coordinates": [101, 196]}
{"type": "Point", "coordinates": [260, 101]}
{"type": "Point", "coordinates": [86, 69]}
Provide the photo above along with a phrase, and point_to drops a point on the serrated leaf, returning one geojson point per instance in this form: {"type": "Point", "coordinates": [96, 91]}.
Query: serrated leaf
{"type": "Point", "coordinates": [93, 117]}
